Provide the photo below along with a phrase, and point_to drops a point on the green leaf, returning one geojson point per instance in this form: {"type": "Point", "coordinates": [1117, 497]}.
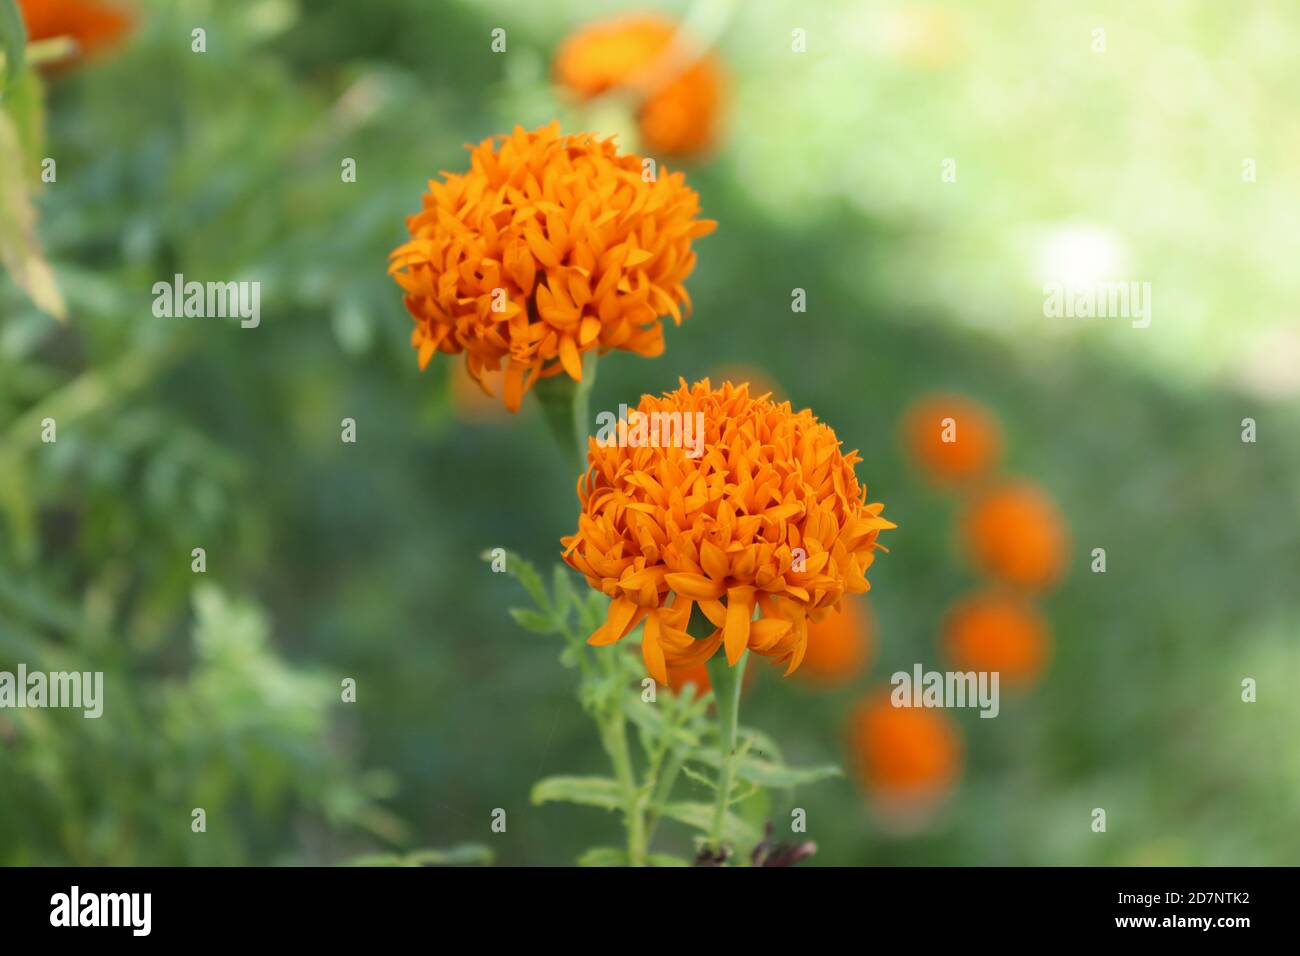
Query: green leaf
{"type": "Point", "coordinates": [592, 612]}
{"type": "Point", "coordinates": [666, 859]}
{"type": "Point", "coordinates": [700, 816]}
{"type": "Point", "coordinates": [465, 854]}
{"type": "Point", "coordinates": [589, 791]}
{"type": "Point", "coordinates": [20, 250]}
{"type": "Point", "coordinates": [603, 856]}
{"type": "Point", "coordinates": [768, 774]}
{"type": "Point", "coordinates": [699, 778]}
{"type": "Point", "coordinates": [526, 574]}
{"type": "Point", "coordinates": [13, 41]}
{"type": "Point", "coordinates": [534, 621]}
{"type": "Point", "coordinates": [562, 589]}
{"type": "Point", "coordinates": [650, 718]}
{"type": "Point", "coordinates": [761, 745]}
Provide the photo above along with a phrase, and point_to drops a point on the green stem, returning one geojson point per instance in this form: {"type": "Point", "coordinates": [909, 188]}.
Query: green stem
{"type": "Point", "coordinates": [613, 734]}
{"type": "Point", "coordinates": [727, 681]}
{"type": "Point", "coordinates": [566, 405]}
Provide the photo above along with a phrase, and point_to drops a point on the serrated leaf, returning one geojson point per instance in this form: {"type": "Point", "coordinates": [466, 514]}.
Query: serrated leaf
{"type": "Point", "coordinates": [700, 816]}
{"type": "Point", "coordinates": [526, 574]}
{"type": "Point", "coordinates": [562, 590]}
{"type": "Point", "coordinates": [588, 791]}
{"type": "Point", "coordinates": [603, 856]}
{"type": "Point", "coordinates": [768, 774]}
{"type": "Point", "coordinates": [531, 620]}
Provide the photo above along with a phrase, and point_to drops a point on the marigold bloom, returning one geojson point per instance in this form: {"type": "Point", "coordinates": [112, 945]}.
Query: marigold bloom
{"type": "Point", "coordinates": [904, 755]}
{"type": "Point", "coordinates": [549, 247]}
{"type": "Point", "coordinates": [996, 631]}
{"type": "Point", "coordinates": [839, 645]}
{"type": "Point", "coordinates": [769, 516]}
{"type": "Point", "coordinates": [1015, 533]}
{"type": "Point", "coordinates": [92, 24]}
{"type": "Point", "coordinates": [951, 438]}
{"type": "Point", "coordinates": [680, 93]}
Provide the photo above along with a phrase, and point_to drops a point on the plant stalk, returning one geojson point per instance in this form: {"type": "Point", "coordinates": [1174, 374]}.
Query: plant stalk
{"type": "Point", "coordinates": [727, 682]}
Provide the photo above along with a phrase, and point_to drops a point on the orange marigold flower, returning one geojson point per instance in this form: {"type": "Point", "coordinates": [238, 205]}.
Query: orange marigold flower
{"type": "Point", "coordinates": [904, 755]}
{"type": "Point", "coordinates": [1015, 533]}
{"type": "Point", "coordinates": [952, 438]}
{"type": "Point", "coordinates": [680, 93]}
{"type": "Point", "coordinates": [769, 515]}
{"type": "Point", "coordinates": [840, 644]}
{"type": "Point", "coordinates": [549, 247]}
{"type": "Point", "coordinates": [996, 631]}
{"type": "Point", "coordinates": [92, 24]}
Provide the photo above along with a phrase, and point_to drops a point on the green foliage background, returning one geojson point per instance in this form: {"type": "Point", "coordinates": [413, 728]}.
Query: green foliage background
{"type": "Point", "coordinates": [328, 560]}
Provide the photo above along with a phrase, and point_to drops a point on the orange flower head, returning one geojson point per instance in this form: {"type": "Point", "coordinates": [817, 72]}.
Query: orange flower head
{"type": "Point", "coordinates": [840, 644]}
{"type": "Point", "coordinates": [94, 25]}
{"type": "Point", "coordinates": [680, 93]}
{"type": "Point", "coordinates": [1015, 533]}
{"type": "Point", "coordinates": [549, 247]}
{"type": "Point", "coordinates": [904, 755]}
{"type": "Point", "coordinates": [951, 438]}
{"type": "Point", "coordinates": [996, 631]}
{"type": "Point", "coordinates": [712, 499]}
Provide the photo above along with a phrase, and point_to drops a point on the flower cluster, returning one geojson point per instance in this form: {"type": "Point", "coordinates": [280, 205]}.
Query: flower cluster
{"type": "Point", "coordinates": [769, 520]}
{"type": "Point", "coordinates": [549, 247]}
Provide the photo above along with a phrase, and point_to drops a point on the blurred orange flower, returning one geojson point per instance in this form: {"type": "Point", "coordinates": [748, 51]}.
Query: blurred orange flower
{"type": "Point", "coordinates": [770, 516]}
{"type": "Point", "coordinates": [698, 674]}
{"type": "Point", "coordinates": [759, 381]}
{"type": "Point", "coordinates": [94, 25]}
{"type": "Point", "coordinates": [951, 438]}
{"type": "Point", "coordinates": [840, 644]}
{"type": "Point", "coordinates": [904, 755]}
{"type": "Point", "coordinates": [478, 399]}
{"type": "Point", "coordinates": [1015, 533]}
{"type": "Point", "coordinates": [680, 92]}
{"type": "Point", "coordinates": [995, 631]}
{"type": "Point", "coordinates": [549, 247]}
